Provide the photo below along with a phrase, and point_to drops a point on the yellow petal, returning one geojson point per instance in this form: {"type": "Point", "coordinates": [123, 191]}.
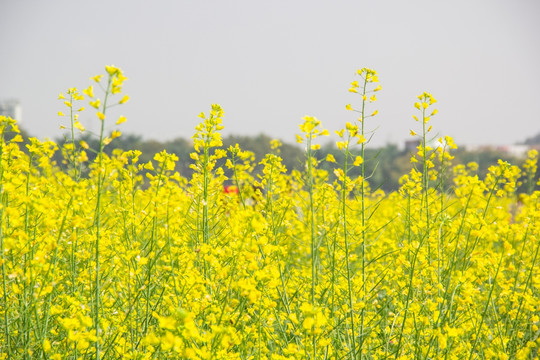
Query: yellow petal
{"type": "Point", "coordinates": [89, 91]}
{"type": "Point", "coordinates": [78, 125]}
{"type": "Point", "coordinates": [17, 138]}
{"type": "Point", "coordinates": [111, 70]}
{"type": "Point", "coordinates": [95, 104]}
{"type": "Point", "coordinates": [96, 78]}
{"type": "Point", "coordinates": [121, 120]}
{"type": "Point", "coordinates": [115, 134]}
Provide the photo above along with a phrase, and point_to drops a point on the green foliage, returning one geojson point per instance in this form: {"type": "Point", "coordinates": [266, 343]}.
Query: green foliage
{"type": "Point", "coordinates": [384, 165]}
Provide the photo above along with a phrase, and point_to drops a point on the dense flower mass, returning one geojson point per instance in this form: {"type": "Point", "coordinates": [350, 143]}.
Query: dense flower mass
{"type": "Point", "coordinates": [117, 259]}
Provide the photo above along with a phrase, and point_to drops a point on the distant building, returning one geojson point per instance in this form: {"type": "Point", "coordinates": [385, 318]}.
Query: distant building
{"type": "Point", "coordinates": [11, 108]}
{"type": "Point", "coordinates": [412, 145]}
{"type": "Point", "coordinates": [518, 151]}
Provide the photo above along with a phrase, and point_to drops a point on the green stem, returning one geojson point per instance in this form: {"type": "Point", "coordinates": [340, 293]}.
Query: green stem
{"type": "Point", "coordinates": [151, 249]}
{"type": "Point", "coordinates": [235, 175]}
{"type": "Point", "coordinates": [73, 151]}
{"type": "Point", "coordinates": [4, 280]}
{"type": "Point", "coordinates": [479, 327]}
{"type": "Point", "coordinates": [312, 233]}
{"type": "Point", "coordinates": [346, 241]}
{"type": "Point", "coordinates": [425, 175]}
{"type": "Point", "coordinates": [98, 216]}
{"type": "Point", "coordinates": [363, 216]}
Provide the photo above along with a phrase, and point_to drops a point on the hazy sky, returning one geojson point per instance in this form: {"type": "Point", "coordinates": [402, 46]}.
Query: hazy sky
{"type": "Point", "coordinates": [269, 63]}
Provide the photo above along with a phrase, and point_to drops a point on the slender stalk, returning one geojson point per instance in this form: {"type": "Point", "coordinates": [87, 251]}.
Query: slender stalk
{"type": "Point", "coordinates": [236, 180]}
{"type": "Point", "coordinates": [26, 267]}
{"type": "Point", "coordinates": [425, 174]}
{"type": "Point", "coordinates": [206, 180]}
{"type": "Point", "coordinates": [408, 300]}
{"type": "Point", "coordinates": [347, 250]}
{"type": "Point", "coordinates": [479, 326]}
{"type": "Point", "coordinates": [98, 218]}
{"type": "Point", "coordinates": [153, 239]}
{"type": "Point", "coordinates": [312, 235]}
{"type": "Point", "coordinates": [2, 219]}
{"type": "Point", "coordinates": [527, 284]}
{"type": "Point", "coordinates": [363, 215]}
{"type": "Point", "coordinates": [73, 156]}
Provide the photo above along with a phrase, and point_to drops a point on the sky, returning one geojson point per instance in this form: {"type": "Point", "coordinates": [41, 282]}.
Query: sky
{"type": "Point", "coordinates": [269, 63]}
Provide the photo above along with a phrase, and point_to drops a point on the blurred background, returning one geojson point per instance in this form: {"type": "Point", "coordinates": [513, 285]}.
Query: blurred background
{"type": "Point", "coordinates": [270, 63]}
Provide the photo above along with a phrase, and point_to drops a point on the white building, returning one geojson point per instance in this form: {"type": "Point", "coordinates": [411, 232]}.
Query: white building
{"type": "Point", "coordinates": [11, 108]}
{"type": "Point", "coordinates": [518, 151]}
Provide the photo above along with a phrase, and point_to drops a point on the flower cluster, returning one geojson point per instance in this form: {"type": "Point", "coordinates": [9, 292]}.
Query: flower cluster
{"type": "Point", "coordinates": [117, 259]}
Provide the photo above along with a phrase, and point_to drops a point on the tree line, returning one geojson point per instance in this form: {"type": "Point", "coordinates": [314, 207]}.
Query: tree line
{"type": "Point", "coordinates": [384, 165]}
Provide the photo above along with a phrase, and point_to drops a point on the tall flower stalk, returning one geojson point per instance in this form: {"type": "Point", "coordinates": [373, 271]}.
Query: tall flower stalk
{"type": "Point", "coordinates": [6, 124]}
{"type": "Point", "coordinates": [113, 86]}
{"type": "Point", "coordinates": [425, 100]}
{"type": "Point", "coordinates": [310, 131]}
{"type": "Point", "coordinates": [358, 132]}
{"type": "Point", "coordinates": [206, 138]}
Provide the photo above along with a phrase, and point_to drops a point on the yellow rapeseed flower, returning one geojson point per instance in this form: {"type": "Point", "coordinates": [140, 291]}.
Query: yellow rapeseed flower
{"type": "Point", "coordinates": [79, 126]}
{"type": "Point", "coordinates": [95, 104]}
{"type": "Point", "coordinates": [96, 78]}
{"type": "Point", "coordinates": [89, 91]}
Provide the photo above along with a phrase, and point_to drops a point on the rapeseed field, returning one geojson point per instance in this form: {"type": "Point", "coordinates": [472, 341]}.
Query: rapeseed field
{"type": "Point", "coordinates": [111, 258]}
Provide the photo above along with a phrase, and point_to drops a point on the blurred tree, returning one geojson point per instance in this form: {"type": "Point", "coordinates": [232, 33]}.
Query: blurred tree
{"type": "Point", "coordinates": [384, 165]}
{"type": "Point", "coordinates": [534, 140]}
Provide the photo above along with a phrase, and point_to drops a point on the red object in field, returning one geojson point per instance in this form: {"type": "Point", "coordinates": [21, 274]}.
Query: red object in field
{"type": "Point", "coordinates": [230, 189]}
